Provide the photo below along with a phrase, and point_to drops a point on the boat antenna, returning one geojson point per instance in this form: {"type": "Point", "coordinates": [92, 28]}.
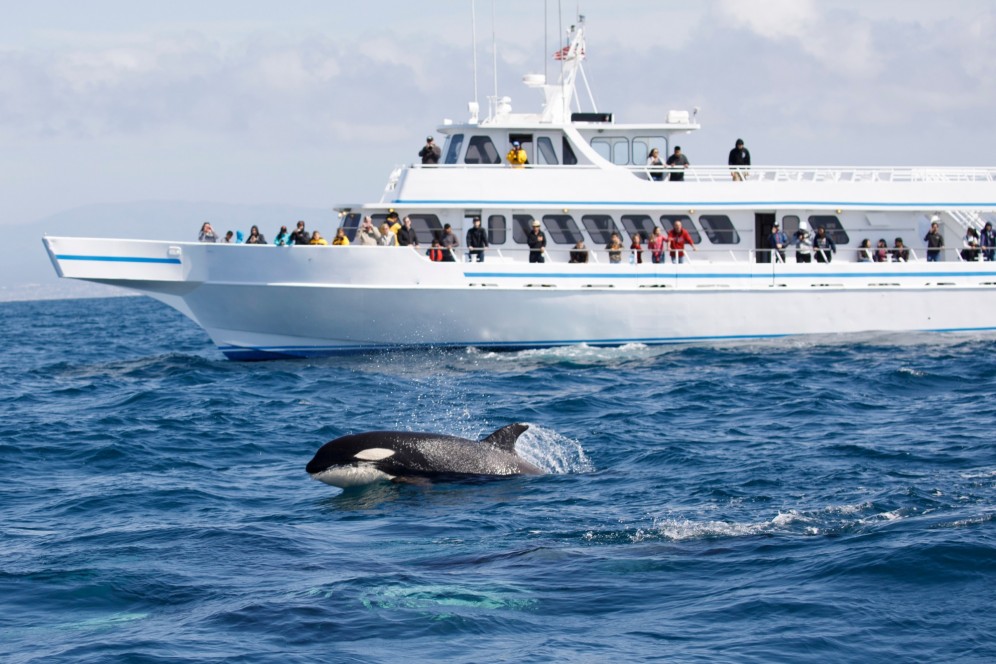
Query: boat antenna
{"type": "Point", "coordinates": [494, 57]}
{"type": "Point", "coordinates": [473, 29]}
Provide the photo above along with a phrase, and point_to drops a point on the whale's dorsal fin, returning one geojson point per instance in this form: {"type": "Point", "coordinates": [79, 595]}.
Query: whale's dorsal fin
{"type": "Point", "coordinates": [504, 438]}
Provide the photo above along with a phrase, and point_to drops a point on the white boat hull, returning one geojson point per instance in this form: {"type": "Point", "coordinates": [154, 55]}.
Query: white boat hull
{"type": "Point", "coordinates": [266, 302]}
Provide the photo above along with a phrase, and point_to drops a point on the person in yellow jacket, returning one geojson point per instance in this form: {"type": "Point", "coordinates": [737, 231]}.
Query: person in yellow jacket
{"type": "Point", "coordinates": [340, 239]}
{"type": "Point", "coordinates": [316, 238]}
{"type": "Point", "coordinates": [517, 156]}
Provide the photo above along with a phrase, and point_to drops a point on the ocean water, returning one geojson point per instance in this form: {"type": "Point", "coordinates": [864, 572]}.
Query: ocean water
{"type": "Point", "coordinates": [781, 501]}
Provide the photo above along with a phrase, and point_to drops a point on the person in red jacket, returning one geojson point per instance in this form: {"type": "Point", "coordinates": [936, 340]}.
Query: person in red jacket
{"type": "Point", "coordinates": [677, 238]}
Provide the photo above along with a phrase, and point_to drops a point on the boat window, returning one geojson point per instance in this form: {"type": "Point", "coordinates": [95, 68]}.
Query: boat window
{"type": "Point", "coordinates": [642, 145]}
{"type": "Point", "coordinates": [667, 221]}
{"type": "Point", "coordinates": [496, 229]}
{"type": "Point", "coordinates": [521, 225]}
{"type": "Point", "coordinates": [615, 150]}
{"type": "Point", "coordinates": [600, 227]}
{"type": "Point", "coordinates": [638, 223]}
{"type": "Point", "coordinates": [719, 229]}
{"type": "Point", "coordinates": [833, 226]}
{"type": "Point", "coordinates": [427, 227]}
{"type": "Point", "coordinates": [569, 157]}
{"type": "Point", "coordinates": [790, 225]}
{"type": "Point", "coordinates": [350, 223]}
{"type": "Point", "coordinates": [562, 228]}
{"type": "Point", "coordinates": [545, 154]}
{"type": "Point", "coordinates": [453, 145]}
{"type": "Point", "coordinates": [480, 150]}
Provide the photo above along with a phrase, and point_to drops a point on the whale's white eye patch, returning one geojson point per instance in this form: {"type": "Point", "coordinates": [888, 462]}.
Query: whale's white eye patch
{"type": "Point", "coordinates": [373, 454]}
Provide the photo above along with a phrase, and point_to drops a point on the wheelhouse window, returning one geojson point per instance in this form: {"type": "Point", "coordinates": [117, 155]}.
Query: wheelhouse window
{"type": "Point", "coordinates": [719, 229]}
{"type": "Point", "coordinates": [521, 225]}
{"type": "Point", "coordinates": [570, 159]}
{"type": "Point", "coordinates": [667, 221]}
{"type": "Point", "coordinates": [614, 149]}
{"type": "Point", "coordinates": [562, 228]}
{"type": "Point", "coordinates": [496, 229]}
{"type": "Point", "coordinates": [642, 145]}
{"type": "Point", "coordinates": [350, 223]}
{"type": "Point", "coordinates": [453, 145]}
{"type": "Point", "coordinates": [600, 227]}
{"type": "Point", "coordinates": [481, 150]}
{"type": "Point", "coordinates": [834, 228]}
{"type": "Point", "coordinates": [427, 227]}
{"type": "Point", "coordinates": [638, 223]}
{"type": "Point", "coordinates": [545, 154]}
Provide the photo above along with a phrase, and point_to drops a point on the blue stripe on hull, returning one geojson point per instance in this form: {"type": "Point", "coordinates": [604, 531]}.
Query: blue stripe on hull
{"type": "Point", "coordinates": [118, 259]}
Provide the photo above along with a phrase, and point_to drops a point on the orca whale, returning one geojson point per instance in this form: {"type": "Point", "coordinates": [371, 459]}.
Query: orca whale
{"type": "Point", "coordinates": [402, 456]}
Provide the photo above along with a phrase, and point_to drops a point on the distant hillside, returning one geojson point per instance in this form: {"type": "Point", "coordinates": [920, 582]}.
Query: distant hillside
{"type": "Point", "coordinates": [26, 273]}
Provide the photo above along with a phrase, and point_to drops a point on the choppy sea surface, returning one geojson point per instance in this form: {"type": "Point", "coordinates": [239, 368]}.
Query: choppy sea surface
{"type": "Point", "coordinates": [781, 501]}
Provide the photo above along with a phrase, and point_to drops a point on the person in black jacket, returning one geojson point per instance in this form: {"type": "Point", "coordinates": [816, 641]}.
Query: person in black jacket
{"type": "Point", "coordinates": [430, 153]}
{"type": "Point", "coordinates": [300, 235]}
{"type": "Point", "coordinates": [406, 234]}
{"type": "Point", "coordinates": [537, 243]}
{"type": "Point", "coordinates": [477, 240]}
{"type": "Point", "coordinates": [739, 157]}
{"type": "Point", "coordinates": [823, 246]}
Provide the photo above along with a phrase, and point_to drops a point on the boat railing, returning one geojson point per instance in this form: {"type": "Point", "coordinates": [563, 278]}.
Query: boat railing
{"type": "Point", "coordinates": [824, 174]}
{"type": "Point", "coordinates": [769, 173]}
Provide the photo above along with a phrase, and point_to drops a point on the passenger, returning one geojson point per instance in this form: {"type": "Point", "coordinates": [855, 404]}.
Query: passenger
{"type": "Point", "coordinates": [803, 247]}
{"type": "Point", "coordinates": [777, 241]}
{"type": "Point", "coordinates": [255, 237]}
{"type": "Point", "coordinates": [656, 245]}
{"type": "Point", "coordinates": [881, 254]}
{"type": "Point", "coordinates": [317, 239]}
{"type": "Point", "coordinates": [406, 234]}
{"type": "Point", "coordinates": [971, 244]}
{"type": "Point", "coordinates": [615, 248]}
{"type": "Point", "coordinates": [449, 242]}
{"type": "Point", "coordinates": [300, 235]}
{"type": "Point", "coordinates": [987, 240]}
{"type": "Point", "coordinates": [934, 240]}
{"type": "Point", "coordinates": [537, 243]}
{"type": "Point", "coordinates": [865, 251]}
{"type": "Point", "coordinates": [229, 238]}
{"type": "Point", "coordinates": [899, 251]}
{"type": "Point", "coordinates": [579, 254]}
{"type": "Point", "coordinates": [340, 239]}
{"type": "Point", "coordinates": [238, 237]}
{"type": "Point", "coordinates": [283, 237]}
{"type": "Point", "coordinates": [677, 238]}
{"type": "Point", "coordinates": [477, 240]}
{"type": "Point", "coordinates": [394, 222]}
{"type": "Point", "coordinates": [367, 234]}
{"type": "Point", "coordinates": [517, 156]}
{"type": "Point", "coordinates": [430, 152]}
{"type": "Point", "coordinates": [656, 165]}
{"type": "Point", "coordinates": [636, 250]}
{"type": "Point", "coordinates": [387, 238]}
{"type": "Point", "coordinates": [435, 252]}
{"type": "Point", "coordinates": [677, 161]}
{"type": "Point", "coordinates": [207, 233]}
{"type": "Point", "coordinates": [739, 157]}
{"type": "Point", "coordinates": [824, 246]}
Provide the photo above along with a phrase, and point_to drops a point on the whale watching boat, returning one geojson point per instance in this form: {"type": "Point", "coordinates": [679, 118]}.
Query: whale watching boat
{"type": "Point", "coordinates": [585, 178]}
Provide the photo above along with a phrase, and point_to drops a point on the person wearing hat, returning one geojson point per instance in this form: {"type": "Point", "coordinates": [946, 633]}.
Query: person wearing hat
{"type": "Point", "coordinates": [477, 240]}
{"type": "Point", "coordinates": [803, 246]}
{"type": "Point", "coordinates": [739, 157]}
{"type": "Point", "coordinates": [777, 241]}
{"type": "Point", "coordinates": [430, 152]}
{"type": "Point", "coordinates": [537, 243]}
{"type": "Point", "coordinates": [517, 156]}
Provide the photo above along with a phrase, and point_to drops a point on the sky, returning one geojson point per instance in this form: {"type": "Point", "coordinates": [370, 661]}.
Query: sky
{"type": "Point", "coordinates": [313, 103]}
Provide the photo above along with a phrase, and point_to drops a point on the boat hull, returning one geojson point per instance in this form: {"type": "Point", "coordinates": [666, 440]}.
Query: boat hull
{"type": "Point", "coordinates": [268, 302]}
